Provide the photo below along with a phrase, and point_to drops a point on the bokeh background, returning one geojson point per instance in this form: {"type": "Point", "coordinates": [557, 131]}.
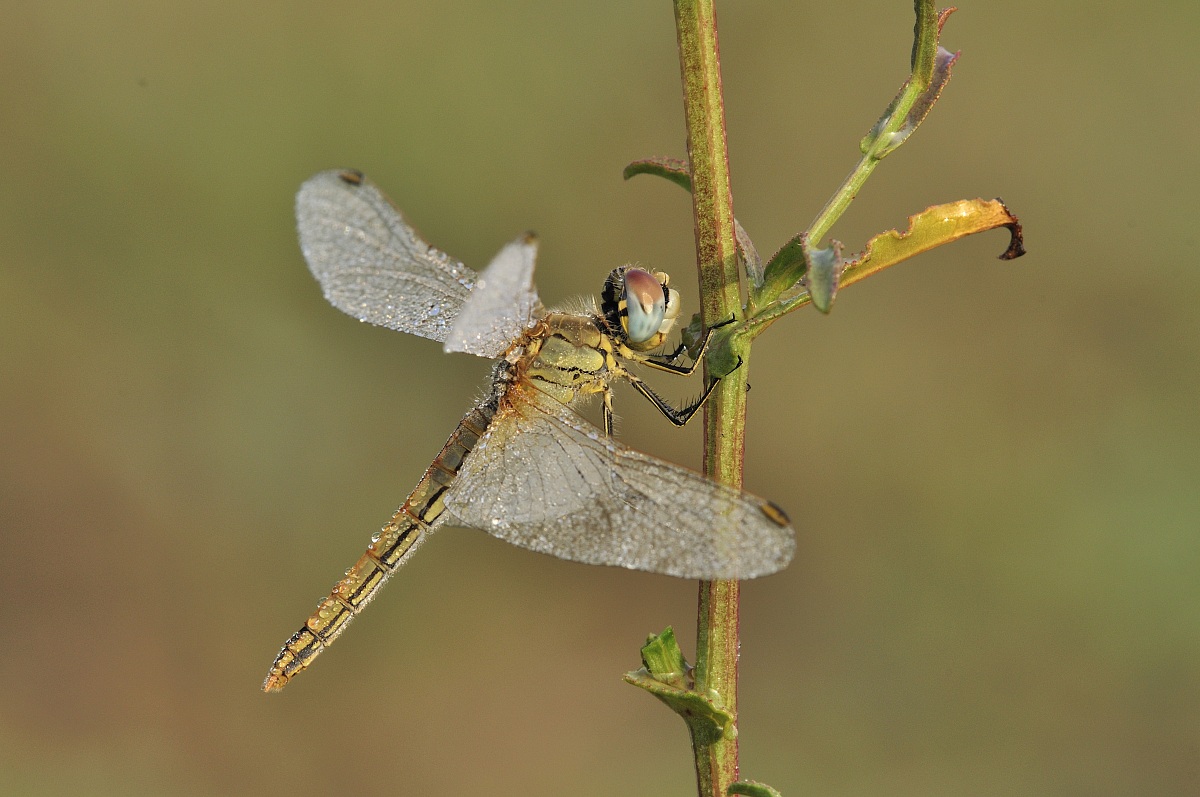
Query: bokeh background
{"type": "Point", "coordinates": [992, 466]}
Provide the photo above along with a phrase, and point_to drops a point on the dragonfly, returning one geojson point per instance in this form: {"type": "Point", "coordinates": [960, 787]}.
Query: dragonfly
{"type": "Point", "coordinates": [523, 465]}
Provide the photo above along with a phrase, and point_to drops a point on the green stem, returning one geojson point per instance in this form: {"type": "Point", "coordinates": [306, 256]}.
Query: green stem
{"type": "Point", "coordinates": [918, 94]}
{"type": "Point", "coordinates": [724, 417]}
{"type": "Point", "coordinates": [841, 199]}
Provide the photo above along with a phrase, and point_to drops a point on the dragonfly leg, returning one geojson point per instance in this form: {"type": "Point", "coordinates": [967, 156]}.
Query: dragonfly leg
{"type": "Point", "coordinates": [678, 416]}
{"type": "Point", "coordinates": [673, 356]}
{"type": "Point", "coordinates": [666, 362]}
{"type": "Point", "coordinates": [608, 412]}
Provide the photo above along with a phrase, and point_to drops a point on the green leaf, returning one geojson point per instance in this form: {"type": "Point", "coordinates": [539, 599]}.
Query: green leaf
{"type": "Point", "coordinates": [664, 660]}
{"type": "Point", "coordinates": [879, 144]}
{"type": "Point", "coordinates": [797, 263]}
{"type": "Point", "coordinates": [752, 788]}
{"type": "Point", "coordinates": [678, 171]}
{"type": "Point", "coordinates": [667, 676]}
{"type": "Point", "coordinates": [674, 169]}
{"type": "Point", "coordinates": [931, 65]}
{"type": "Point", "coordinates": [824, 271]}
{"type": "Point", "coordinates": [929, 74]}
{"type": "Point", "coordinates": [751, 260]}
{"type": "Point", "coordinates": [784, 271]}
{"type": "Point", "coordinates": [926, 28]}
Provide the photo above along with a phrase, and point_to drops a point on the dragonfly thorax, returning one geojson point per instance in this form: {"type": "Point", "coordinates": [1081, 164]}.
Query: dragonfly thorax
{"type": "Point", "coordinates": [564, 355]}
{"type": "Point", "coordinates": [639, 307]}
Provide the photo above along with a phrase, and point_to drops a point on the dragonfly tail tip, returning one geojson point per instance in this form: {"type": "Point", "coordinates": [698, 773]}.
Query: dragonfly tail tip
{"type": "Point", "coordinates": [275, 682]}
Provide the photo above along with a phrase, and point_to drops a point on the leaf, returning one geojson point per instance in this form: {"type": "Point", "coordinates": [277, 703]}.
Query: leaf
{"type": "Point", "coordinates": [930, 73]}
{"type": "Point", "coordinates": [674, 169]}
{"type": "Point", "coordinates": [784, 270]}
{"type": "Point", "coordinates": [933, 227]}
{"type": "Point", "coordinates": [679, 172]}
{"type": "Point", "coordinates": [751, 260]}
{"type": "Point", "coordinates": [931, 65]}
{"type": "Point", "coordinates": [667, 676]}
{"type": "Point", "coordinates": [752, 788]}
{"type": "Point", "coordinates": [664, 660]}
{"type": "Point", "coordinates": [787, 277]}
{"type": "Point", "coordinates": [797, 263]}
{"type": "Point", "coordinates": [823, 272]}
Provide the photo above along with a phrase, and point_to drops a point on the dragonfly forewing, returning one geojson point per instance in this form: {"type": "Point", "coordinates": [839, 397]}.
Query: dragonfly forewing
{"type": "Point", "coordinates": [503, 304]}
{"type": "Point", "coordinates": [371, 264]}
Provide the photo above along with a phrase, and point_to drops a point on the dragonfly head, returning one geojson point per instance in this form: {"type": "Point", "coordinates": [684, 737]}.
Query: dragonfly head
{"type": "Point", "coordinates": [640, 306]}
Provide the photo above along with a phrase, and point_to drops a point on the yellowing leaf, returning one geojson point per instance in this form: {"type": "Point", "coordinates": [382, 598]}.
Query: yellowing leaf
{"type": "Point", "coordinates": [933, 227]}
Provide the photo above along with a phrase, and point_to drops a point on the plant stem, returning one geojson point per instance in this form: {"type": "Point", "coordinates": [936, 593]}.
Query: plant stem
{"type": "Point", "coordinates": [930, 72]}
{"type": "Point", "coordinates": [841, 200]}
{"type": "Point", "coordinates": [724, 416]}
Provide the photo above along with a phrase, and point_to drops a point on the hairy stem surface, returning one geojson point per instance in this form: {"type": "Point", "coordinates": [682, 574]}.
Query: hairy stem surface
{"type": "Point", "coordinates": [724, 417]}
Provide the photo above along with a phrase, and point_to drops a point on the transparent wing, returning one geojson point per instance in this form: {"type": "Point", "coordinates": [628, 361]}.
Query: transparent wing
{"type": "Point", "coordinates": [503, 304]}
{"type": "Point", "coordinates": [545, 479]}
{"type": "Point", "coordinates": [371, 264]}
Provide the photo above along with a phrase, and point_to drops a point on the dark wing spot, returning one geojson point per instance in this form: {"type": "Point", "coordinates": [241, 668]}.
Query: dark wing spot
{"type": "Point", "coordinates": [775, 514]}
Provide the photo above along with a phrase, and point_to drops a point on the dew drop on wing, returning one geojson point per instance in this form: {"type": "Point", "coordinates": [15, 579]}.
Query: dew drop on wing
{"type": "Point", "coordinates": [376, 537]}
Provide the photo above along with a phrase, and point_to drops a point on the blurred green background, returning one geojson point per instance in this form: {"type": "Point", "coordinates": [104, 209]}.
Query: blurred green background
{"type": "Point", "coordinates": [992, 466]}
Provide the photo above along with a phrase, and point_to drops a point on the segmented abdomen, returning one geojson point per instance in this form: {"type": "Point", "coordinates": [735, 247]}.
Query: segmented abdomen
{"type": "Point", "coordinates": [389, 549]}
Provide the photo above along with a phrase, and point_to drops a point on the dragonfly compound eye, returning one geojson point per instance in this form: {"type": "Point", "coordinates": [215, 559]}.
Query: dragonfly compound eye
{"type": "Point", "coordinates": [645, 306]}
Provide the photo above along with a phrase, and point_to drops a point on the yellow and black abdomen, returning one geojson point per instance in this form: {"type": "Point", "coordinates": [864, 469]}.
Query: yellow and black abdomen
{"type": "Point", "coordinates": [389, 549]}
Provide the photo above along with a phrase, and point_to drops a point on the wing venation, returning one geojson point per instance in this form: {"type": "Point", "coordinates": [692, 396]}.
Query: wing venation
{"type": "Point", "coordinates": [503, 304]}
{"type": "Point", "coordinates": [545, 479]}
{"type": "Point", "coordinates": [371, 264]}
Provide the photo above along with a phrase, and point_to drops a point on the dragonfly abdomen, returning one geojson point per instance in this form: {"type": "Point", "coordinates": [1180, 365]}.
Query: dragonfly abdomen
{"type": "Point", "coordinates": [390, 548]}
